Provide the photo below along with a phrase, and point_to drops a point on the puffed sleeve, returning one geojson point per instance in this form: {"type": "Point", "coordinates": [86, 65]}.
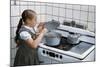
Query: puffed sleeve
{"type": "Point", "coordinates": [24, 35]}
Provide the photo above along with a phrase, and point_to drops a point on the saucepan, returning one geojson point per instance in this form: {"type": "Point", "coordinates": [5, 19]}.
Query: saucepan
{"type": "Point", "coordinates": [52, 38]}
{"type": "Point", "coordinates": [73, 38]}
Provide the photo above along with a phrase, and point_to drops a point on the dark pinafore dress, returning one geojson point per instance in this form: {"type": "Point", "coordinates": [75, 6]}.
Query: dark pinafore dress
{"type": "Point", "coordinates": [25, 55]}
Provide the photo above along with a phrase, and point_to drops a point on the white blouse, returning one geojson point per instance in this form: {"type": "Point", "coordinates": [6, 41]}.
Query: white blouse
{"type": "Point", "coordinates": [24, 35]}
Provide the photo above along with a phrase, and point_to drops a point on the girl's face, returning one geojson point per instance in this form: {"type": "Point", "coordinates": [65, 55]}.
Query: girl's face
{"type": "Point", "coordinates": [32, 22]}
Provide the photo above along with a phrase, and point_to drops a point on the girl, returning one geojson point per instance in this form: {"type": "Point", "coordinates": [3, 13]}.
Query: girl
{"type": "Point", "coordinates": [27, 39]}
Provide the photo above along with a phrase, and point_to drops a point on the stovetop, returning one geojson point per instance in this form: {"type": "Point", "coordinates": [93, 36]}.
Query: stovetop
{"type": "Point", "coordinates": [63, 45]}
{"type": "Point", "coordinates": [79, 48]}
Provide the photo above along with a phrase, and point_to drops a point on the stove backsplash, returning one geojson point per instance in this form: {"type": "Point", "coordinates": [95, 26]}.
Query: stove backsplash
{"type": "Point", "coordinates": [81, 14]}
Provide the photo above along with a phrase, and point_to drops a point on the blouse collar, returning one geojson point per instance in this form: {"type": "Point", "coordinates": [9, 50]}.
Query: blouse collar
{"type": "Point", "coordinates": [30, 28]}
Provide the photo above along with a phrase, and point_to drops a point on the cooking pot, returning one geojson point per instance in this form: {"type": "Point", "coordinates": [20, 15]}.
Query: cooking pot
{"type": "Point", "coordinates": [52, 38]}
{"type": "Point", "coordinates": [73, 38]}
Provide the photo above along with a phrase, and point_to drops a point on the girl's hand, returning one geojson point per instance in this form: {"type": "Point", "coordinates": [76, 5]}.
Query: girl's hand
{"type": "Point", "coordinates": [40, 26]}
{"type": "Point", "coordinates": [44, 30]}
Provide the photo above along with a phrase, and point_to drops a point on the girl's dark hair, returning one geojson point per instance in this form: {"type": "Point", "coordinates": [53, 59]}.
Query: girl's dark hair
{"type": "Point", "coordinates": [27, 14]}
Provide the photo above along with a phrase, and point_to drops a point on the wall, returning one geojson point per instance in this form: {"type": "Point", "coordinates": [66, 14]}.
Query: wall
{"type": "Point", "coordinates": [82, 14]}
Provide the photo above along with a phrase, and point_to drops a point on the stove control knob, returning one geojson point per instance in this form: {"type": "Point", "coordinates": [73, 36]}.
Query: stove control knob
{"type": "Point", "coordinates": [47, 52]}
{"type": "Point", "coordinates": [51, 54]}
{"type": "Point", "coordinates": [43, 51]}
{"type": "Point", "coordinates": [57, 55]}
{"type": "Point", "coordinates": [60, 56]}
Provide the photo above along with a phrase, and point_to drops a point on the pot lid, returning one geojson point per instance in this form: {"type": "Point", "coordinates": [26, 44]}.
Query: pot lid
{"type": "Point", "coordinates": [51, 25]}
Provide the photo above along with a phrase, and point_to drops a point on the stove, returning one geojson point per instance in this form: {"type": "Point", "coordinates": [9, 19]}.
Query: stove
{"type": "Point", "coordinates": [66, 52]}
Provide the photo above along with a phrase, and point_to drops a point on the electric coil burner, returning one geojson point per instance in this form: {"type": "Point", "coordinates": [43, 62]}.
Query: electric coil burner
{"type": "Point", "coordinates": [64, 45]}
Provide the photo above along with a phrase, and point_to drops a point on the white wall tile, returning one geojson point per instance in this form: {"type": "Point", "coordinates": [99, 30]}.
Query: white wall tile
{"type": "Point", "coordinates": [69, 6]}
{"type": "Point", "coordinates": [14, 21]}
{"type": "Point", "coordinates": [30, 3]}
{"type": "Point", "coordinates": [56, 5]}
{"type": "Point", "coordinates": [84, 7]}
{"type": "Point", "coordinates": [37, 3]}
{"type": "Point", "coordinates": [38, 18]}
{"type": "Point", "coordinates": [92, 8]}
{"type": "Point", "coordinates": [43, 4]}
{"type": "Point", "coordinates": [22, 8]}
{"type": "Point", "coordinates": [76, 7]}
{"type": "Point", "coordinates": [15, 3]}
{"type": "Point", "coordinates": [61, 19]}
{"type": "Point", "coordinates": [68, 19]}
{"type": "Point", "coordinates": [49, 10]}
{"type": "Point", "coordinates": [68, 13]}
{"type": "Point", "coordinates": [84, 23]}
{"type": "Point", "coordinates": [42, 9]}
{"type": "Point", "coordinates": [91, 27]}
{"type": "Point", "coordinates": [13, 53]}
{"type": "Point", "coordinates": [62, 5]}
{"type": "Point", "coordinates": [37, 9]}
{"type": "Point", "coordinates": [49, 4]}
{"type": "Point", "coordinates": [84, 15]}
{"type": "Point", "coordinates": [42, 18]}
{"type": "Point", "coordinates": [13, 32]}
{"type": "Point", "coordinates": [13, 44]}
{"type": "Point", "coordinates": [31, 7]}
{"type": "Point", "coordinates": [91, 17]}
{"type": "Point", "coordinates": [12, 2]}
{"type": "Point", "coordinates": [23, 3]}
{"type": "Point", "coordinates": [55, 11]}
{"type": "Point", "coordinates": [62, 12]}
{"type": "Point", "coordinates": [48, 18]}
{"type": "Point", "coordinates": [12, 62]}
{"type": "Point", "coordinates": [76, 14]}
{"type": "Point", "coordinates": [55, 18]}
{"type": "Point", "coordinates": [14, 10]}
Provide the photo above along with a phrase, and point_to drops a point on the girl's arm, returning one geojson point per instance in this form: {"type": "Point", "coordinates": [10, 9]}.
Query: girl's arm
{"type": "Point", "coordinates": [34, 43]}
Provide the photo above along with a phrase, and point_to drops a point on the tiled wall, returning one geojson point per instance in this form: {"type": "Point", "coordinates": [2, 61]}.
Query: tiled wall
{"type": "Point", "coordinates": [82, 14]}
